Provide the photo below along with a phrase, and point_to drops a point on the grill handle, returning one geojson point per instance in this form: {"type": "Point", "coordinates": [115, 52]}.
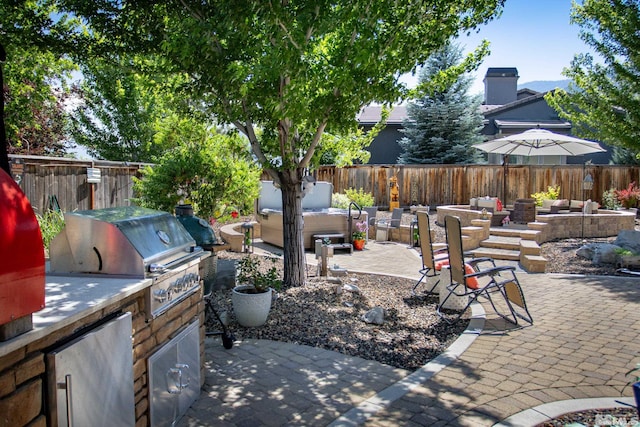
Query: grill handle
{"type": "Point", "coordinates": [161, 268]}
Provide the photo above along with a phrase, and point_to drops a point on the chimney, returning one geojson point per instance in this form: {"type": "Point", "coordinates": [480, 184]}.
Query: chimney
{"type": "Point", "coordinates": [501, 86]}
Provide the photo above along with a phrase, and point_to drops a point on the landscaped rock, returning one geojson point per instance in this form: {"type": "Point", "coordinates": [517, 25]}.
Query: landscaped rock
{"type": "Point", "coordinates": [629, 239]}
{"type": "Point", "coordinates": [375, 316]}
{"type": "Point", "coordinates": [599, 253]}
{"type": "Point", "coordinates": [351, 288]}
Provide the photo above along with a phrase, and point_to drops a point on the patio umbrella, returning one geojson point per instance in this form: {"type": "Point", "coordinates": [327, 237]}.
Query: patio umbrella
{"type": "Point", "coordinates": [540, 142]}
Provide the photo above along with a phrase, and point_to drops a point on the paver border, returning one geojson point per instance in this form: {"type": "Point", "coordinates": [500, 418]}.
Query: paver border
{"type": "Point", "coordinates": [384, 398]}
{"type": "Point", "coordinates": [548, 411]}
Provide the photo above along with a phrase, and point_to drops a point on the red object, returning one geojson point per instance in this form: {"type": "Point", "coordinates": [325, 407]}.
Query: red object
{"type": "Point", "coordinates": [22, 272]}
{"type": "Point", "coordinates": [498, 205]}
{"type": "Point", "coordinates": [234, 214]}
{"type": "Point", "coordinates": [358, 244]}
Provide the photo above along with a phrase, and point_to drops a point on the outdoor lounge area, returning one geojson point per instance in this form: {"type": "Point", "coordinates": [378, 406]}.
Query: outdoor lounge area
{"type": "Point", "coordinates": [604, 223]}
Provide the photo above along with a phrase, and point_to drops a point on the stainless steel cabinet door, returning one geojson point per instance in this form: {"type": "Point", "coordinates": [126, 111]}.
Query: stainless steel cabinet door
{"type": "Point", "coordinates": [174, 377]}
{"type": "Point", "coordinates": [90, 379]}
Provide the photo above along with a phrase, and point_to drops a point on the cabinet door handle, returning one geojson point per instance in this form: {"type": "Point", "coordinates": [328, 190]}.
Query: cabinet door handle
{"type": "Point", "coordinates": [67, 392]}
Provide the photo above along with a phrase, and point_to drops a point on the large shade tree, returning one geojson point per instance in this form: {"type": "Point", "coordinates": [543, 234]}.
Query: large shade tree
{"type": "Point", "coordinates": [602, 99]}
{"type": "Point", "coordinates": [285, 71]}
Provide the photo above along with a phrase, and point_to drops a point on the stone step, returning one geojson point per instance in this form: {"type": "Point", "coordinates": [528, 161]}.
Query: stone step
{"type": "Point", "coordinates": [534, 263]}
{"type": "Point", "coordinates": [502, 242]}
{"type": "Point", "coordinates": [505, 231]}
{"type": "Point", "coordinates": [496, 253]}
{"type": "Point", "coordinates": [529, 247]}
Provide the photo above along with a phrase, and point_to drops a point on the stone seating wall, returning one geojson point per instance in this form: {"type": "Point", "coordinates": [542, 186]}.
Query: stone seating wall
{"type": "Point", "coordinates": [605, 223]}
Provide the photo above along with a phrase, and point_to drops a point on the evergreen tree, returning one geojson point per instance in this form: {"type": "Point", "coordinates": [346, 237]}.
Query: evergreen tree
{"type": "Point", "coordinates": [445, 123]}
{"type": "Point", "coordinates": [624, 156]}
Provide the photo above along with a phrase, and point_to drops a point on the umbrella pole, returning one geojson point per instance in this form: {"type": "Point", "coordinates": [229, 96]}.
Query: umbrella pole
{"type": "Point", "coordinates": [505, 164]}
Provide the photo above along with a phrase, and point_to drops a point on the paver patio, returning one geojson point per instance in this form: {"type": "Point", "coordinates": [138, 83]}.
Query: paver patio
{"type": "Point", "coordinates": [583, 340]}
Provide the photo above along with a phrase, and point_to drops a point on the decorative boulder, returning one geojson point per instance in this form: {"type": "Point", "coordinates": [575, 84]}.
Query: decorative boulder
{"type": "Point", "coordinates": [629, 239]}
{"type": "Point", "coordinates": [599, 253]}
{"type": "Point", "coordinates": [375, 316]}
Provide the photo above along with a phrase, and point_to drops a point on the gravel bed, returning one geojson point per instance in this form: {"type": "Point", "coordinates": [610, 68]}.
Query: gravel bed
{"type": "Point", "coordinates": [324, 314]}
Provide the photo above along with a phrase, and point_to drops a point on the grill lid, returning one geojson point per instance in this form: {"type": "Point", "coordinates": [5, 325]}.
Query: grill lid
{"type": "Point", "coordinates": [124, 240]}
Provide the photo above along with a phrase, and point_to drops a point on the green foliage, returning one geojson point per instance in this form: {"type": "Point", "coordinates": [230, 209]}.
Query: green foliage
{"type": "Point", "coordinates": [445, 122]}
{"type": "Point", "coordinates": [601, 101]}
{"type": "Point", "coordinates": [251, 271]}
{"type": "Point", "coordinates": [51, 223]}
{"type": "Point", "coordinates": [624, 156]}
{"type": "Point", "coordinates": [628, 197]}
{"type": "Point", "coordinates": [213, 173]}
{"type": "Point", "coordinates": [35, 73]}
{"type": "Point", "coordinates": [340, 201]}
{"type": "Point", "coordinates": [359, 196]}
{"type": "Point", "coordinates": [552, 193]}
{"type": "Point", "coordinates": [122, 110]}
{"type": "Point", "coordinates": [292, 69]}
{"type": "Point", "coordinates": [609, 199]}
{"type": "Point", "coordinates": [623, 251]}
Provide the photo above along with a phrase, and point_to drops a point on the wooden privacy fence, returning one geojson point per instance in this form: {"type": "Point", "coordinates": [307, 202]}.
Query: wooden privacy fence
{"type": "Point", "coordinates": [436, 185]}
{"type": "Point", "coordinates": [47, 179]}
{"type": "Point", "coordinates": [52, 181]}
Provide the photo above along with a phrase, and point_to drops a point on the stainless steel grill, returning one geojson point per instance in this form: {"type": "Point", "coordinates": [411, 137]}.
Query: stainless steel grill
{"type": "Point", "coordinates": [130, 241]}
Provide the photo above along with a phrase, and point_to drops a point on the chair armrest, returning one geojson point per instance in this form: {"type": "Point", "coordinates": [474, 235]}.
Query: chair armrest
{"type": "Point", "coordinates": [388, 222]}
{"type": "Point", "coordinates": [493, 271]}
{"type": "Point", "coordinates": [473, 262]}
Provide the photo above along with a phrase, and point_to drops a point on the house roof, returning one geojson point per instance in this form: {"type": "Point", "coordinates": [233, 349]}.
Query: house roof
{"type": "Point", "coordinates": [493, 109]}
{"type": "Point", "coordinates": [371, 115]}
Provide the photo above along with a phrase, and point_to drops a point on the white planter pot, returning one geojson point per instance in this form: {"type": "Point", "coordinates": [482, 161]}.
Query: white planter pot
{"type": "Point", "coordinates": [251, 309]}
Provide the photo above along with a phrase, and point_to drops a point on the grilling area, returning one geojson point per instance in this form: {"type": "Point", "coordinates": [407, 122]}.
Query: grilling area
{"type": "Point", "coordinates": [113, 332]}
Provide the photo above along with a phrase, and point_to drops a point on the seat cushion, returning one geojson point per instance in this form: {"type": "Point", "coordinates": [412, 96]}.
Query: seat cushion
{"type": "Point", "coordinates": [472, 282]}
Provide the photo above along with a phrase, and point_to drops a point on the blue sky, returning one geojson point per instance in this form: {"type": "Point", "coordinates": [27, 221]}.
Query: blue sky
{"type": "Point", "coordinates": [534, 36]}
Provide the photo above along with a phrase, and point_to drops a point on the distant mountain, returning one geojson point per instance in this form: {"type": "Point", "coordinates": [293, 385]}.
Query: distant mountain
{"type": "Point", "coordinates": [544, 85]}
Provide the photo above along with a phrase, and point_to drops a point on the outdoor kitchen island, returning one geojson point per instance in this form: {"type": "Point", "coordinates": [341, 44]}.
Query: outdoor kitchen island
{"type": "Point", "coordinates": [113, 348]}
{"type": "Point", "coordinates": [74, 304]}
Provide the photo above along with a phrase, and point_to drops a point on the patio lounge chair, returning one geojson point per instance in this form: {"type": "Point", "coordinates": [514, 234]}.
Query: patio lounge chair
{"type": "Point", "coordinates": [470, 279]}
{"type": "Point", "coordinates": [432, 258]}
{"type": "Point", "coordinates": [384, 225]}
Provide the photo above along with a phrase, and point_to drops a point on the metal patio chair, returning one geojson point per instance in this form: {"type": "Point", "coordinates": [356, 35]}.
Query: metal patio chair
{"type": "Point", "coordinates": [432, 257]}
{"type": "Point", "coordinates": [384, 225]}
{"type": "Point", "coordinates": [470, 279]}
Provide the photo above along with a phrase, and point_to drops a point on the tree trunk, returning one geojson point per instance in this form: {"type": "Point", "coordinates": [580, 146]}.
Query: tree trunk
{"type": "Point", "coordinates": [294, 256]}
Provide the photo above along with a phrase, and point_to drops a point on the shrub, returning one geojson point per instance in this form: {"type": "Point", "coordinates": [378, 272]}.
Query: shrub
{"type": "Point", "coordinates": [629, 196]}
{"type": "Point", "coordinates": [340, 201]}
{"type": "Point", "coordinates": [215, 175]}
{"type": "Point", "coordinates": [552, 193]}
{"type": "Point", "coordinates": [609, 200]}
{"type": "Point", "coordinates": [360, 197]}
{"type": "Point", "coordinates": [51, 223]}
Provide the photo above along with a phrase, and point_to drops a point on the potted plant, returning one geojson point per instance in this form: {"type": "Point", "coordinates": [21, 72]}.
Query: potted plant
{"type": "Point", "coordinates": [358, 236]}
{"type": "Point", "coordinates": [252, 297]}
